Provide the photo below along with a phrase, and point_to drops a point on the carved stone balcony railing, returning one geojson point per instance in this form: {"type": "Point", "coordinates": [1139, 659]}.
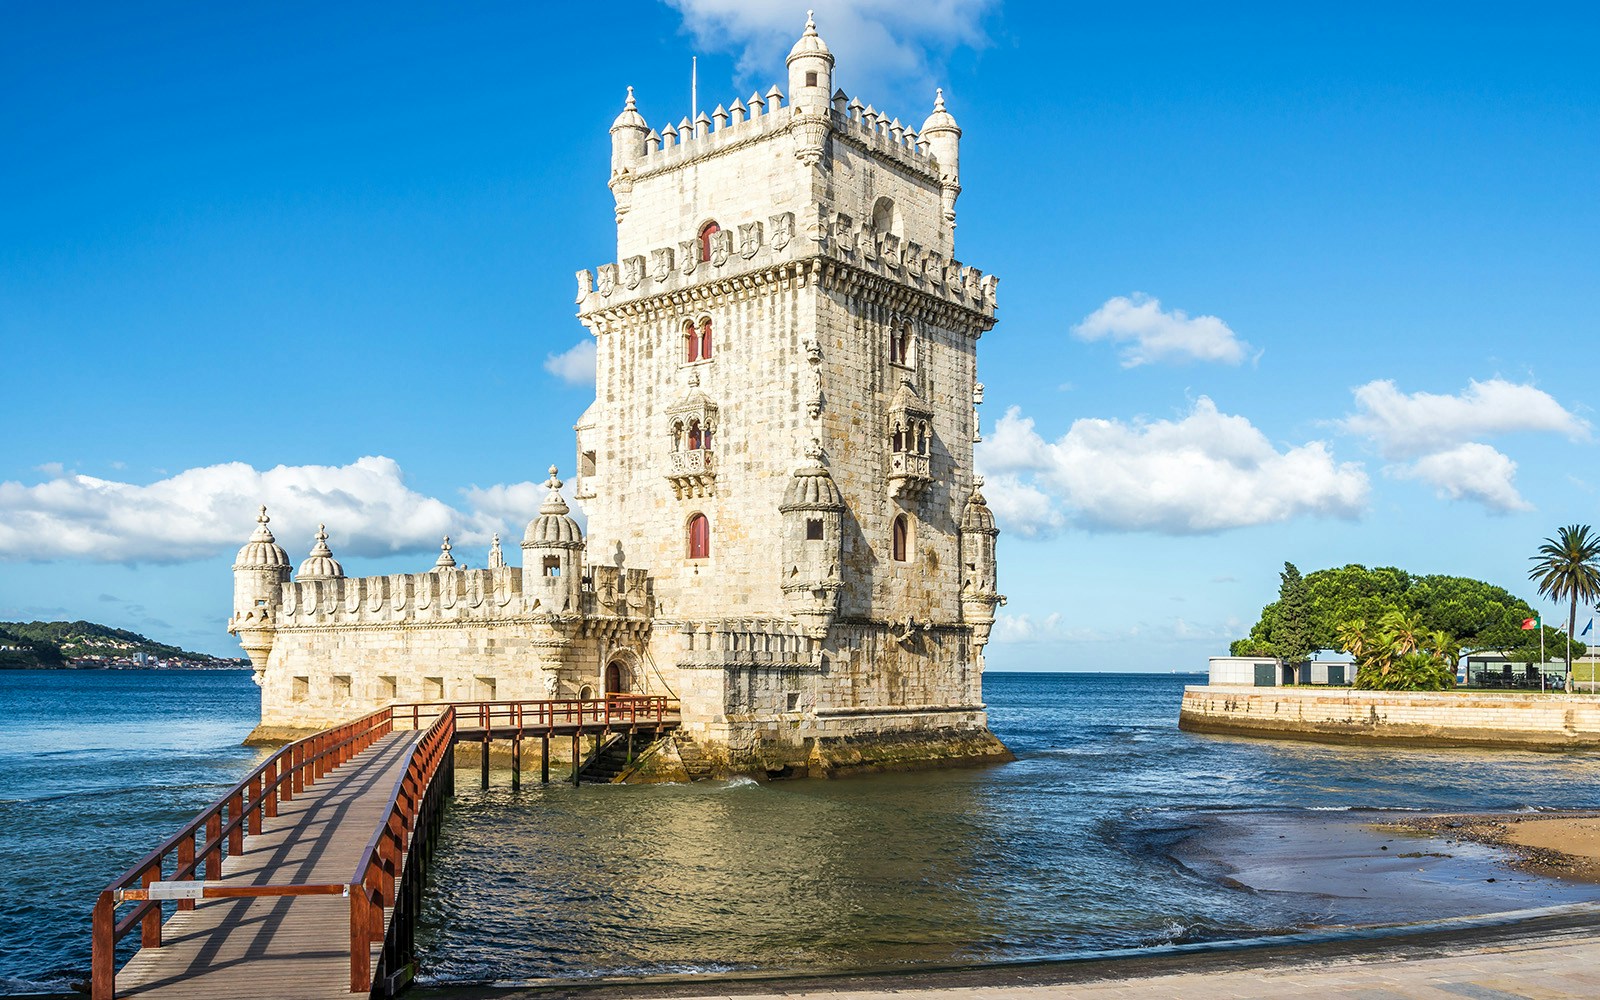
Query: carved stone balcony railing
{"type": "Point", "coordinates": [692, 473]}
{"type": "Point", "coordinates": [910, 474]}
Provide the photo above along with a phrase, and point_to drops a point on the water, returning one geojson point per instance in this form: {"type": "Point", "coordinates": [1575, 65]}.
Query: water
{"type": "Point", "coordinates": [1064, 851]}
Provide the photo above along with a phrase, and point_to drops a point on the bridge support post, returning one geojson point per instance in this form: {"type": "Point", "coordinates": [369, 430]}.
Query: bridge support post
{"type": "Point", "coordinates": [485, 763]}
{"type": "Point", "coordinates": [577, 757]}
{"type": "Point", "coordinates": [544, 759]}
{"type": "Point", "coordinates": [516, 763]}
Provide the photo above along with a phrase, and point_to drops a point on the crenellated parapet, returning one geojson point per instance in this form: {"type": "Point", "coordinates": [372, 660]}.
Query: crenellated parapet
{"type": "Point", "coordinates": [772, 253]}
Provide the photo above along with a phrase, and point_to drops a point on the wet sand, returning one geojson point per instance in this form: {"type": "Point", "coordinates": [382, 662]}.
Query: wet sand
{"type": "Point", "coordinates": [1562, 845]}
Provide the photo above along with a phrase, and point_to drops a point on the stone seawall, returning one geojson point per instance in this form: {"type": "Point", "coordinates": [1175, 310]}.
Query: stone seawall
{"type": "Point", "coordinates": [1418, 718]}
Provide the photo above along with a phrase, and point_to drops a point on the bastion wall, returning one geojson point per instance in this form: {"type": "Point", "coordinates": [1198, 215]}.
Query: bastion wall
{"type": "Point", "coordinates": [1423, 718]}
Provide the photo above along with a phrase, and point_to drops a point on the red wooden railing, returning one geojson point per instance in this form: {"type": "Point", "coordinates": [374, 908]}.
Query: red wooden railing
{"type": "Point", "coordinates": [222, 827]}
{"type": "Point", "coordinates": [531, 717]}
{"type": "Point", "coordinates": [383, 877]}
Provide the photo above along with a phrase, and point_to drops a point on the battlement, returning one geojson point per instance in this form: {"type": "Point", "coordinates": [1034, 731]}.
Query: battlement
{"type": "Point", "coordinates": [758, 245]}
{"type": "Point", "coordinates": [740, 124]}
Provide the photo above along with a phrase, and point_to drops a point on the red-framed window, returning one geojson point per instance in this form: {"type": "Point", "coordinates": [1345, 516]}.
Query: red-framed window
{"type": "Point", "coordinates": [707, 231]}
{"type": "Point", "coordinates": [699, 537]}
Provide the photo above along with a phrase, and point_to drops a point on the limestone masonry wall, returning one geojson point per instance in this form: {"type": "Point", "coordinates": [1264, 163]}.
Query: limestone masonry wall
{"type": "Point", "coordinates": [1438, 718]}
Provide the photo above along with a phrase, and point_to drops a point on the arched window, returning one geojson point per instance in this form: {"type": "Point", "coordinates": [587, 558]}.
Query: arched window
{"type": "Point", "coordinates": [691, 343]}
{"type": "Point", "coordinates": [885, 216]}
{"type": "Point", "coordinates": [699, 537]}
{"type": "Point", "coordinates": [922, 439]}
{"type": "Point", "coordinates": [705, 339]}
{"type": "Point", "coordinates": [902, 538]}
{"type": "Point", "coordinates": [695, 443]}
{"type": "Point", "coordinates": [677, 435]}
{"type": "Point", "coordinates": [899, 441]}
{"type": "Point", "coordinates": [707, 231]}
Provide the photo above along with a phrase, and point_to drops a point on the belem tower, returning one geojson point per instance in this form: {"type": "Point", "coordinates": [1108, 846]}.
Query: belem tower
{"type": "Point", "coordinates": [784, 530]}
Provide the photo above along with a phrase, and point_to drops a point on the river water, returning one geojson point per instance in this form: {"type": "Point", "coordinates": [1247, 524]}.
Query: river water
{"type": "Point", "coordinates": [1068, 850]}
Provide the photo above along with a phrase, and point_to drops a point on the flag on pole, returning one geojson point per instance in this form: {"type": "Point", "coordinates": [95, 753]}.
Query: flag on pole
{"type": "Point", "coordinates": [1529, 624]}
{"type": "Point", "coordinates": [1587, 627]}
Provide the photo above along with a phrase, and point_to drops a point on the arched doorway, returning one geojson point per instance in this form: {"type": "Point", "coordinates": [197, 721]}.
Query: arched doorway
{"type": "Point", "coordinates": [619, 679]}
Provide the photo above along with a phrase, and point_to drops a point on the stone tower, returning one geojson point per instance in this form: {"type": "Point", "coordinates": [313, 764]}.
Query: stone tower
{"type": "Point", "coordinates": [785, 408]}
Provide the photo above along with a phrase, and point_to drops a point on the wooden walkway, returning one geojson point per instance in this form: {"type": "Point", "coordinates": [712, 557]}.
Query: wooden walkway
{"type": "Point", "coordinates": [273, 947]}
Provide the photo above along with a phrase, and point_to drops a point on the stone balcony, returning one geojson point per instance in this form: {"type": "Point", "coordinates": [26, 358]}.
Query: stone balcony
{"type": "Point", "coordinates": [692, 473]}
{"type": "Point", "coordinates": [910, 474]}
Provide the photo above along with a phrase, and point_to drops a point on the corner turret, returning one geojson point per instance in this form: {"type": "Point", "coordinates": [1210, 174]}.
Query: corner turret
{"type": "Point", "coordinates": [810, 72]}
{"type": "Point", "coordinates": [259, 573]}
{"type": "Point", "coordinates": [978, 580]}
{"type": "Point", "coordinates": [628, 134]}
{"type": "Point", "coordinates": [813, 536]}
{"type": "Point", "coordinates": [552, 555]}
{"type": "Point", "coordinates": [943, 137]}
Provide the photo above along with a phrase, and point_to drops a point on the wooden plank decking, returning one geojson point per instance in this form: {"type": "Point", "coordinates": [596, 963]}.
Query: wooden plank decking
{"type": "Point", "coordinates": [273, 947]}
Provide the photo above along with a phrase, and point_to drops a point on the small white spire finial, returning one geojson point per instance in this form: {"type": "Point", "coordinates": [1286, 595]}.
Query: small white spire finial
{"type": "Point", "coordinates": [322, 532]}
{"type": "Point", "coordinates": [811, 23]}
{"type": "Point", "coordinates": [553, 483]}
{"type": "Point", "coordinates": [262, 517]}
{"type": "Point", "coordinates": [938, 99]}
{"type": "Point", "coordinates": [630, 105]}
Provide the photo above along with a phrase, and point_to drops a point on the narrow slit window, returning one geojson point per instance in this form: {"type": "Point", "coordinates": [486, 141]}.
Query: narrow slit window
{"type": "Point", "coordinates": [705, 340]}
{"type": "Point", "coordinates": [902, 538]}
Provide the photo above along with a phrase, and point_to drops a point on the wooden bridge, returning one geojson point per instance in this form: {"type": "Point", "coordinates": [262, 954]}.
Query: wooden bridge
{"type": "Point", "coordinates": [327, 842]}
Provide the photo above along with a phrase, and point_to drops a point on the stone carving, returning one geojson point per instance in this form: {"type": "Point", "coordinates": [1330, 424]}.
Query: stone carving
{"type": "Point", "coordinates": [661, 263]}
{"type": "Point", "coordinates": [608, 279]}
{"type": "Point", "coordinates": [688, 255]}
{"type": "Point", "coordinates": [782, 230]}
{"type": "Point", "coordinates": [721, 247]}
{"type": "Point", "coordinates": [585, 283]}
{"type": "Point", "coordinates": [844, 232]}
{"type": "Point", "coordinates": [632, 271]}
{"type": "Point", "coordinates": [813, 378]}
{"type": "Point", "coordinates": [749, 239]}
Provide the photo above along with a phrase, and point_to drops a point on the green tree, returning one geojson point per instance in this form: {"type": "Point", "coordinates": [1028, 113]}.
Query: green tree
{"type": "Point", "coordinates": [1293, 635]}
{"type": "Point", "coordinates": [1566, 569]}
{"type": "Point", "coordinates": [1398, 654]}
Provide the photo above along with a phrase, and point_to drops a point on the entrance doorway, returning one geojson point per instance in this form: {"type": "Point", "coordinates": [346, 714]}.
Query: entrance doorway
{"type": "Point", "coordinates": [619, 679]}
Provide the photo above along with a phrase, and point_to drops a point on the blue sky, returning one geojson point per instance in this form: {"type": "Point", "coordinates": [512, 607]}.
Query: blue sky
{"type": "Point", "coordinates": [1302, 284]}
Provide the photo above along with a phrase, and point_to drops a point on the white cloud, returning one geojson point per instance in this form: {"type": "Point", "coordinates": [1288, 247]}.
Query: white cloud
{"type": "Point", "coordinates": [882, 47]}
{"type": "Point", "coordinates": [209, 511]}
{"type": "Point", "coordinates": [574, 366]}
{"type": "Point", "coordinates": [1022, 508]}
{"type": "Point", "coordinates": [1470, 471]}
{"type": "Point", "coordinates": [1405, 425]}
{"type": "Point", "coordinates": [1151, 335]}
{"type": "Point", "coordinates": [1205, 473]}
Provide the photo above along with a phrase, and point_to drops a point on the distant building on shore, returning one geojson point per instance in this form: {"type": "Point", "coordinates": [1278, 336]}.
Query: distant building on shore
{"type": "Point", "coordinates": [784, 529]}
{"type": "Point", "coordinates": [1267, 671]}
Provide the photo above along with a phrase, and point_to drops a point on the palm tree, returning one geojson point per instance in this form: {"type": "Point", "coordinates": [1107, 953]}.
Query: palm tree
{"type": "Point", "coordinates": [1566, 569]}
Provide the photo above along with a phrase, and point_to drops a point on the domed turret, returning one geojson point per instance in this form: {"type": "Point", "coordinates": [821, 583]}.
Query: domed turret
{"type": "Point", "coordinates": [552, 553]}
{"type": "Point", "coordinates": [943, 137]}
{"type": "Point", "coordinates": [259, 573]}
{"type": "Point", "coordinates": [810, 71]}
{"type": "Point", "coordinates": [813, 533]}
{"type": "Point", "coordinates": [262, 551]}
{"type": "Point", "coordinates": [320, 565]}
{"type": "Point", "coordinates": [627, 136]}
{"type": "Point", "coordinates": [446, 561]}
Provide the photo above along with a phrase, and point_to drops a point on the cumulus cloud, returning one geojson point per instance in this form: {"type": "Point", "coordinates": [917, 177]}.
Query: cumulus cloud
{"type": "Point", "coordinates": [209, 511]}
{"type": "Point", "coordinates": [1151, 335]}
{"type": "Point", "coordinates": [574, 366]}
{"type": "Point", "coordinates": [881, 46]}
{"type": "Point", "coordinates": [1406, 425]}
{"type": "Point", "coordinates": [1470, 471]}
{"type": "Point", "coordinates": [1205, 473]}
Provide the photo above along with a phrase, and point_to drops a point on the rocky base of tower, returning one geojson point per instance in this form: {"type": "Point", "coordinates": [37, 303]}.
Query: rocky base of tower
{"type": "Point", "coordinates": [842, 756]}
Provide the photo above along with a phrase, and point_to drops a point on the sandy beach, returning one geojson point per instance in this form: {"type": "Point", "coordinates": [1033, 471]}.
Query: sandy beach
{"type": "Point", "coordinates": [1562, 845]}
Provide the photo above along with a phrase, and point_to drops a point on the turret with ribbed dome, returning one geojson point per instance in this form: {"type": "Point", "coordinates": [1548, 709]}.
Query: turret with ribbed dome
{"type": "Point", "coordinates": [813, 533]}
{"type": "Point", "coordinates": [320, 564]}
{"type": "Point", "coordinates": [552, 554]}
{"type": "Point", "coordinates": [259, 573]}
{"type": "Point", "coordinates": [943, 137]}
{"type": "Point", "coordinates": [810, 71]}
{"type": "Point", "coordinates": [628, 133]}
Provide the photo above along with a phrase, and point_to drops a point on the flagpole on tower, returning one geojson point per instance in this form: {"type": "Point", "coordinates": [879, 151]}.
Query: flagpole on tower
{"type": "Point", "coordinates": [694, 88]}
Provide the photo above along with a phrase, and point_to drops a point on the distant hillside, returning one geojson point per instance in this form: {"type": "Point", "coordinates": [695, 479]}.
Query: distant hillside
{"type": "Point", "coordinates": [59, 644]}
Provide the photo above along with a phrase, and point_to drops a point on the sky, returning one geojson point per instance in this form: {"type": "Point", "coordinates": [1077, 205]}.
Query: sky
{"type": "Point", "coordinates": [1313, 283]}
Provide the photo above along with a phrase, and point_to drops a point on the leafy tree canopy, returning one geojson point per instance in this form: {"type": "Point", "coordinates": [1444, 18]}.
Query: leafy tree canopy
{"type": "Point", "coordinates": [1476, 615]}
